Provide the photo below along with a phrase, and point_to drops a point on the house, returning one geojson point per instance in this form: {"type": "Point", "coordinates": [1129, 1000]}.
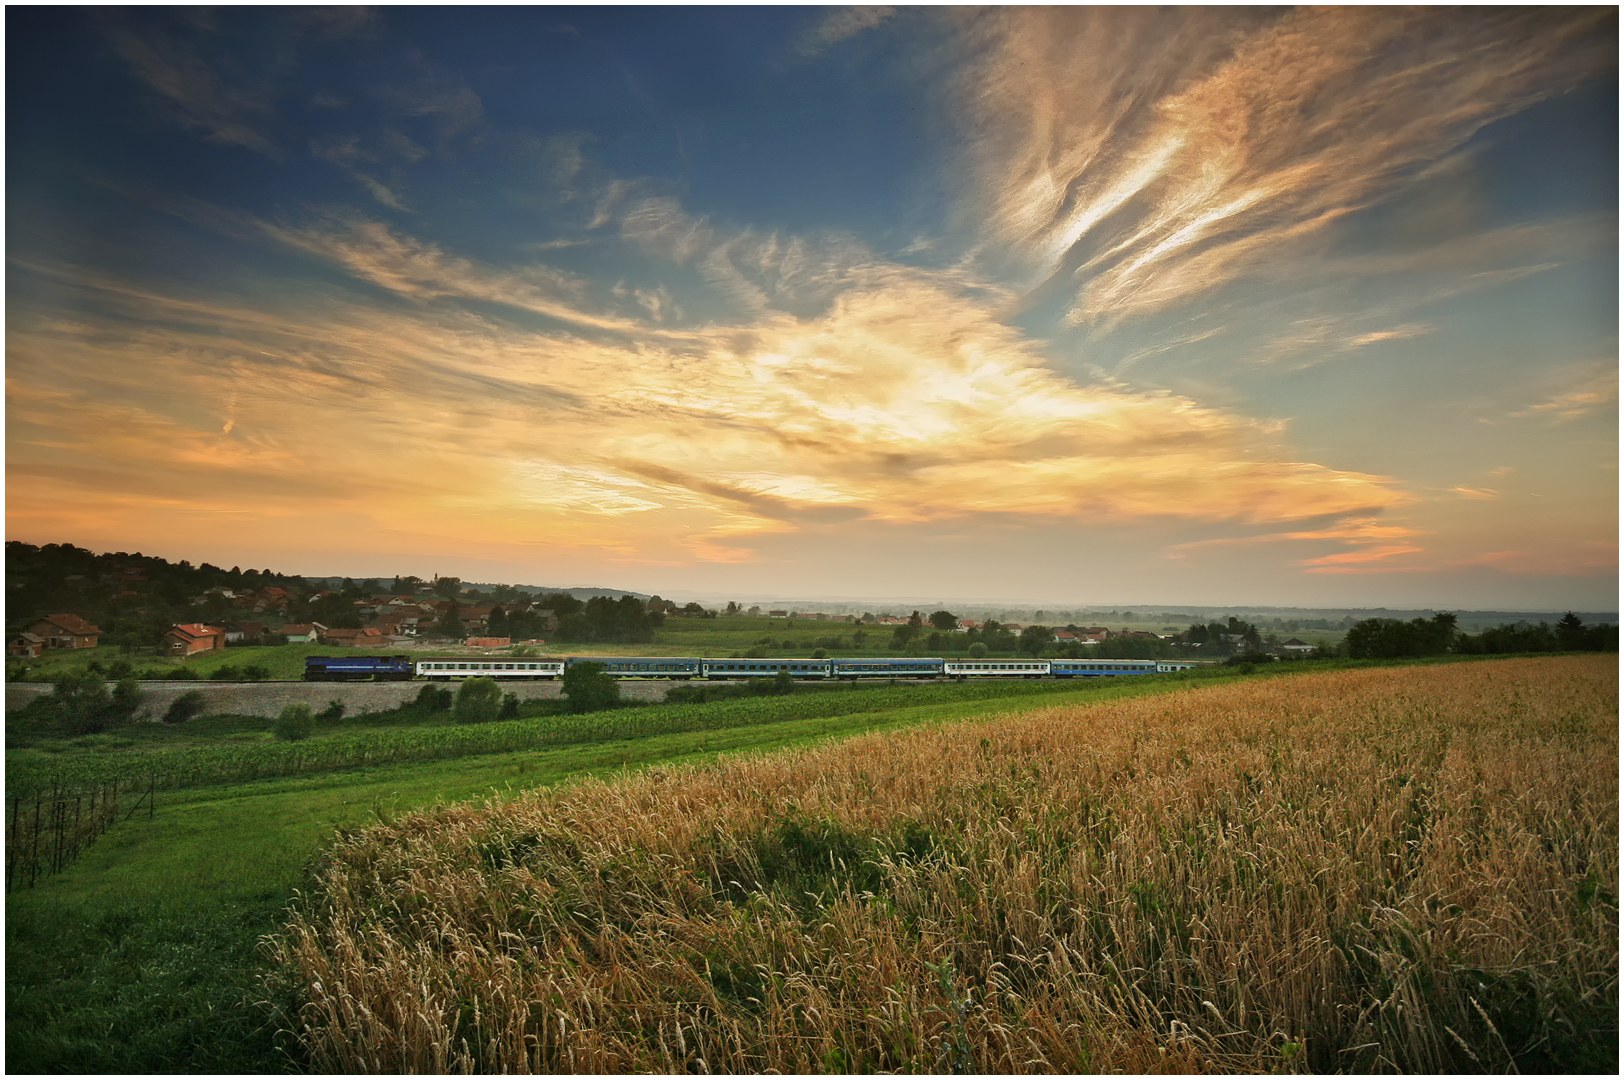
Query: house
{"type": "Point", "coordinates": [964, 626]}
{"type": "Point", "coordinates": [243, 633]}
{"type": "Point", "coordinates": [398, 625]}
{"type": "Point", "coordinates": [306, 633]}
{"type": "Point", "coordinates": [368, 638]}
{"type": "Point", "coordinates": [28, 646]}
{"type": "Point", "coordinates": [189, 639]}
{"type": "Point", "coordinates": [1296, 645]}
{"type": "Point", "coordinates": [65, 632]}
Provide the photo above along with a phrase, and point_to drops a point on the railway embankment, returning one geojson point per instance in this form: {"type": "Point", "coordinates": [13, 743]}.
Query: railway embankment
{"type": "Point", "coordinates": [269, 698]}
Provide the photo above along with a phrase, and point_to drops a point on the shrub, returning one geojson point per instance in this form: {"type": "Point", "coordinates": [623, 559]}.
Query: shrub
{"type": "Point", "coordinates": [226, 673]}
{"type": "Point", "coordinates": [80, 702]}
{"type": "Point", "coordinates": [255, 673]}
{"type": "Point", "coordinates": [333, 713]}
{"type": "Point", "coordinates": [184, 707]}
{"type": "Point", "coordinates": [978, 651]}
{"type": "Point", "coordinates": [126, 700]}
{"type": "Point", "coordinates": [294, 723]}
{"type": "Point", "coordinates": [431, 698]}
{"type": "Point", "coordinates": [478, 701]}
{"type": "Point", "coordinates": [590, 687]}
{"type": "Point", "coordinates": [510, 706]}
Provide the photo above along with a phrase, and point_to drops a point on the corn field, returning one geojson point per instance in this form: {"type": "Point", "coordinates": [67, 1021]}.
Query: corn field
{"type": "Point", "coordinates": [1399, 870]}
{"type": "Point", "coordinates": [31, 773]}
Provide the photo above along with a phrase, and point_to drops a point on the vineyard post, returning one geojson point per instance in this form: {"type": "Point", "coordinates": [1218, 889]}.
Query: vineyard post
{"type": "Point", "coordinates": [11, 842]}
{"type": "Point", "coordinates": [58, 813]}
{"type": "Point", "coordinates": [33, 864]}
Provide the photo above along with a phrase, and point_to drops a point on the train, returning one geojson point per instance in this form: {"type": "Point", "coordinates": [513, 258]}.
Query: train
{"type": "Point", "coordinates": [441, 668]}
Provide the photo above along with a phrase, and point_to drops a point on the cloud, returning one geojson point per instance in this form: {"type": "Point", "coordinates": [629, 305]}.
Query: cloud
{"type": "Point", "coordinates": [229, 111]}
{"type": "Point", "coordinates": [1144, 157]}
{"type": "Point", "coordinates": [1596, 390]}
{"type": "Point", "coordinates": [375, 253]}
{"type": "Point", "coordinates": [1566, 558]}
{"type": "Point", "coordinates": [842, 24]}
{"type": "Point", "coordinates": [905, 401]}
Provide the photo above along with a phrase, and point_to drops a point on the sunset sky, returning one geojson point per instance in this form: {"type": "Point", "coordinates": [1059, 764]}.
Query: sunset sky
{"type": "Point", "coordinates": [1283, 306]}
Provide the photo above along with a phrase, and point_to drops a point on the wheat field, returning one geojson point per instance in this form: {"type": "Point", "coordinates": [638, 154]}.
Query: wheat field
{"type": "Point", "coordinates": [1383, 870]}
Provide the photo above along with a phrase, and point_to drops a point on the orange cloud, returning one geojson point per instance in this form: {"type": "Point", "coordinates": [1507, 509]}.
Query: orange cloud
{"type": "Point", "coordinates": [906, 401]}
{"type": "Point", "coordinates": [1105, 164]}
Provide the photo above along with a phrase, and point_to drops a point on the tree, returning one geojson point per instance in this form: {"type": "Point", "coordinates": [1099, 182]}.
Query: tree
{"type": "Point", "coordinates": [1391, 638]}
{"type": "Point", "coordinates": [408, 585]}
{"type": "Point", "coordinates": [450, 623]}
{"type": "Point", "coordinates": [944, 620]}
{"type": "Point", "coordinates": [1570, 631]}
{"type": "Point", "coordinates": [589, 687]}
{"type": "Point", "coordinates": [1034, 639]}
{"type": "Point", "coordinates": [479, 701]}
{"type": "Point", "coordinates": [295, 722]}
{"type": "Point", "coordinates": [978, 651]}
{"type": "Point", "coordinates": [448, 587]}
{"type": "Point", "coordinates": [497, 624]}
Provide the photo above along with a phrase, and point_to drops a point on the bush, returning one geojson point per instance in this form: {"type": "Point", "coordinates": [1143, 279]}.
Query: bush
{"type": "Point", "coordinates": [255, 673]}
{"type": "Point", "coordinates": [184, 707]}
{"type": "Point", "coordinates": [126, 700]}
{"type": "Point", "coordinates": [333, 713]}
{"type": "Point", "coordinates": [294, 723]}
{"type": "Point", "coordinates": [479, 701]}
{"type": "Point", "coordinates": [431, 698]}
{"type": "Point", "coordinates": [226, 673]}
{"type": "Point", "coordinates": [510, 706]}
{"type": "Point", "coordinates": [978, 651]}
{"type": "Point", "coordinates": [590, 687]}
{"type": "Point", "coordinates": [80, 702]}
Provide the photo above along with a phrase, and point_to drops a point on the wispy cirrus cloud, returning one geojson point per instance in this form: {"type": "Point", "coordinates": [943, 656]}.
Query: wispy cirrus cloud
{"type": "Point", "coordinates": [903, 400]}
{"type": "Point", "coordinates": [234, 111]}
{"type": "Point", "coordinates": [1140, 159]}
{"type": "Point", "coordinates": [842, 24]}
{"type": "Point", "coordinates": [1592, 390]}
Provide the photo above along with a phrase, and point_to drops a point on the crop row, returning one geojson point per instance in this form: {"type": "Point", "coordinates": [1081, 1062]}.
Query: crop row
{"type": "Point", "coordinates": [197, 766]}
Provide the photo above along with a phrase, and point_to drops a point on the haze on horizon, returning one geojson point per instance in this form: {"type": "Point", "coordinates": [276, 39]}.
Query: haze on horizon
{"type": "Point", "coordinates": [1305, 307]}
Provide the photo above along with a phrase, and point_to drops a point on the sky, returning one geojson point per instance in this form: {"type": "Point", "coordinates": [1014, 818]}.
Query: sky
{"type": "Point", "coordinates": [1291, 306]}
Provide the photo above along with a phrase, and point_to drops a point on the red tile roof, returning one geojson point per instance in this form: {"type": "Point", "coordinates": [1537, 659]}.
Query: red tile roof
{"type": "Point", "coordinates": [73, 624]}
{"type": "Point", "coordinates": [195, 630]}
